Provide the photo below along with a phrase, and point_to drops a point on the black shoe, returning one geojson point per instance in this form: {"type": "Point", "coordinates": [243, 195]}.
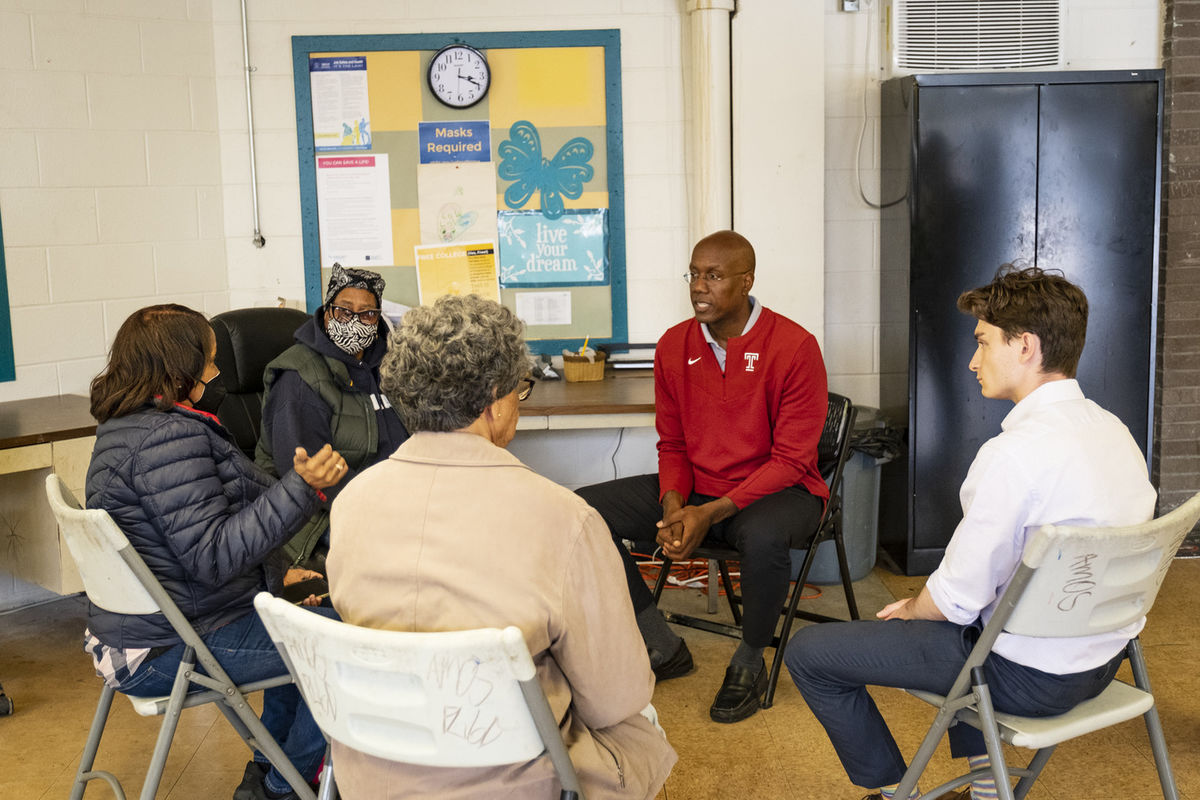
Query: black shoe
{"type": "Point", "coordinates": [251, 785]}
{"type": "Point", "coordinates": [677, 665]}
{"type": "Point", "coordinates": [739, 695]}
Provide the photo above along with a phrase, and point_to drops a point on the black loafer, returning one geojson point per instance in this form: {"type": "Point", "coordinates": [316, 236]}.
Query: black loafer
{"type": "Point", "coordinates": [677, 665]}
{"type": "Point", "coordinates": [740, 694]}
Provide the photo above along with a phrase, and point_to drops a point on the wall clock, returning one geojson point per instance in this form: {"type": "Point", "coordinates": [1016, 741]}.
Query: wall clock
{"type": "Point", "coordinates": [459, 76]}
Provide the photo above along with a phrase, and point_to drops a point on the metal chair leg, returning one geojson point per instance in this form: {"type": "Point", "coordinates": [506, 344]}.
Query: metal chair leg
{"type": "Point", "coordinates": [328, 787]}
{"type": "Point", "coordinates": [662, 579]}
{"type": "Point", "coordinates": [991, 735]}
{"type": "Point", "coordinates": [1158, 741]}
{"type": "Point", "coordinates": [166, 733]}
{"type": "Point", "coordinates": [929, 745]}
{"type": "Point", "coordinates": [249, 727]}
{"type": "Point", "coordinates": [734, 600]}
{"type": "Point", "coordinates": [709, 595]}
{"type": "Point", "coordinates": [1034, 769]}
{"type": "Point", "coordinates": [85, 772]}
{"type": "Point", "coordinates": [844, 565]}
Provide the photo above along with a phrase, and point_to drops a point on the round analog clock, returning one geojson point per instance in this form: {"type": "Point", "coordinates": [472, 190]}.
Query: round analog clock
{"type": "Point", "coordinates": [459, 75]}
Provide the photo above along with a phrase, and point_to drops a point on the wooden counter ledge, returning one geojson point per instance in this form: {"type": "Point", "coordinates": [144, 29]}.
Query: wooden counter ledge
{"type": "Point", "coordinates": [45, 419]}
{"type": "Point", "coordinates": [621, 392]}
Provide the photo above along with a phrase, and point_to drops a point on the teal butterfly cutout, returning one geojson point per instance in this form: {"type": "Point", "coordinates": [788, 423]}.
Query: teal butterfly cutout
{"type": "Point", "coordinates": [522, 162]}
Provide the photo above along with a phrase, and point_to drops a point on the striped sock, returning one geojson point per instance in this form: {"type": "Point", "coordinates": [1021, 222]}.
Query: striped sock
{"type": "Point", "coordinates": [889, 792]}
{"type": "Point", "coordinates": [984, 788]}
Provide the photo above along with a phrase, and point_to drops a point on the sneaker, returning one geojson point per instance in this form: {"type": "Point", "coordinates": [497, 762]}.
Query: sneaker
{"type": "Point", "coordinates": [677, 665]}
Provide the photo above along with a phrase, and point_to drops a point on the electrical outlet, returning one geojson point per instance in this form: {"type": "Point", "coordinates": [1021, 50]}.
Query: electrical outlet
{"type": "Point", "coordinates": [849, 5]}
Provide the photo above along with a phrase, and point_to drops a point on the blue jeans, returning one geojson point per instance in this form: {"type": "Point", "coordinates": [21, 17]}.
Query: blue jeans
{"type": "Point", "coordinates": [245, 651]}
{"type": "Point", "coordinates": [833, 663]}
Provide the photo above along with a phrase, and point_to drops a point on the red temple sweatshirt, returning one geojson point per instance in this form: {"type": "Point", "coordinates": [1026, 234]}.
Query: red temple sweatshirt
{"type": "Point", "coordinates": [749, 431]}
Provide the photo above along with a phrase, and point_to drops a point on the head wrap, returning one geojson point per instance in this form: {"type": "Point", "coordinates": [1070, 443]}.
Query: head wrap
{"type": "Point", "coordinates": [342, 278]}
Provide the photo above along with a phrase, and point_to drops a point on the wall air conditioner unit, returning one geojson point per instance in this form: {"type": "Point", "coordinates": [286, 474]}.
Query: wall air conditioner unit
{"type": "Point", "coordinates": [970, 35]}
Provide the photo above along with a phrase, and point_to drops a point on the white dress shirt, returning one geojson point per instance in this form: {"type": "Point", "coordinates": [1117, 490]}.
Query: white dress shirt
{"type": "Point", "coordinates": [1060, 459]}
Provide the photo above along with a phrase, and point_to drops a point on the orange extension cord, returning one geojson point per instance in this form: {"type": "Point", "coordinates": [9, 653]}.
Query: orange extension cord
{"type": "Point", "coordinates": [693, 574]}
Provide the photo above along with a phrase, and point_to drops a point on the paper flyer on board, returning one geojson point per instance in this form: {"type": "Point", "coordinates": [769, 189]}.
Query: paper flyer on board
{"type": "Point", "coordinates": [466, 268]}
{"type": "Point", "coordinates": [457, 202]}
{"type": "Point", "coordinates": [544, 308]}
{"type": "Point", "coordinates": [354, 211]}
{"type": "Point", "coordinates": [340, 109]}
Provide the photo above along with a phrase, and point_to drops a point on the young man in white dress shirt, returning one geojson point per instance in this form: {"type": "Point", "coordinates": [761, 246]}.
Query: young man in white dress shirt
{"type": "Point", "coordinates": [1059, 458]}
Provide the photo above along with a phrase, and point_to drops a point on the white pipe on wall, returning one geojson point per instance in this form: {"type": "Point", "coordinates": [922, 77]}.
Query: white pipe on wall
{"type": "Point", "coordinates": [711, 133]}
{"type": "Point", "coordinates": [258, 239]}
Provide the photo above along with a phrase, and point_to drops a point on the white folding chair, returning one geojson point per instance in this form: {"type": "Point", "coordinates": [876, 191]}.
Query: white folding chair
{"type": "Point", "coordinates": [453, 699]}
{"type": "Point", "coordinates": [1072, 581]}
{"type": "Point", "coordinates": [116, 579]}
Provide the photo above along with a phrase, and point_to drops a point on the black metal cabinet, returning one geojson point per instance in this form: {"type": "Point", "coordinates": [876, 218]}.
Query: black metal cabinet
{"type": "Point", "coordinates": [1055, 169]}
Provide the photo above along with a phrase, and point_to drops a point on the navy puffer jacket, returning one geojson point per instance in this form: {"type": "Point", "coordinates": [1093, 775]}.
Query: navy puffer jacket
{"type": "Point", "coordinates": [202, 516]}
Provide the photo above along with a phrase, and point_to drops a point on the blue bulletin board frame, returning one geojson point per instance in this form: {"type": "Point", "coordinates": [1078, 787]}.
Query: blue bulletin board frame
{"type": "Point", "coordinates": [8, 368]}
{"type": "Point", "coordinates": [608, 39]}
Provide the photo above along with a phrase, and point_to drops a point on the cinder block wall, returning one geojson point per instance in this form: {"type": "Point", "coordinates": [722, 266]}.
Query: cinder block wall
{"type": "Point", "coordinates": [1176, 462]}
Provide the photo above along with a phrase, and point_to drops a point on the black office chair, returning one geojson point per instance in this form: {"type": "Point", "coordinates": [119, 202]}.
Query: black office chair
{"type": "Point", "coordinates": [247, 340]}
{"type": "Point", "coordinates": [832, 451]}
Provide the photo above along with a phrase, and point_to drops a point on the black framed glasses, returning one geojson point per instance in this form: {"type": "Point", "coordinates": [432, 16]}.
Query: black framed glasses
{"type": "Point", "coordinates": [525, 388]}
{"type": "Point", "coordinates": [690, 277]}
{"type": "Point", "coordinates": [368, 316]}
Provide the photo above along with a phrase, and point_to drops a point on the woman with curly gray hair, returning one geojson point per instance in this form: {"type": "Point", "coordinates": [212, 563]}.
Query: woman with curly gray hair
{"type": "Point", "coordinates": [452, 532]}
{"type": "Point", "coordinates": [447, 364]}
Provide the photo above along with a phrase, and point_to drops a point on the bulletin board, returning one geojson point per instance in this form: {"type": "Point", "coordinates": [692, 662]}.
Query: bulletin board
{"type": "Point", "coordinates": [519, 196]}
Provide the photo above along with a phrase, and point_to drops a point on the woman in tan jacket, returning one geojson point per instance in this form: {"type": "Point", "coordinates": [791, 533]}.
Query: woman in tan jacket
{"type": "Point", "coordinates": [453, 532]}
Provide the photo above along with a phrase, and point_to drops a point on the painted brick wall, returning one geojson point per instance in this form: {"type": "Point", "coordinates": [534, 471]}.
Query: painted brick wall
{"type": "Point", "coordinates": [1176, 463]}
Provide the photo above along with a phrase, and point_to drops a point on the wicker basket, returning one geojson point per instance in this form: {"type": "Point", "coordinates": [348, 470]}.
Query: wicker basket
{"type": "Point", "coordinates": [577, 369]}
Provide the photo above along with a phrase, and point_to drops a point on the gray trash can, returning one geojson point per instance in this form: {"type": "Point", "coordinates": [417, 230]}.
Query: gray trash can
{"type": "Point", "coordinates": [860, 509]}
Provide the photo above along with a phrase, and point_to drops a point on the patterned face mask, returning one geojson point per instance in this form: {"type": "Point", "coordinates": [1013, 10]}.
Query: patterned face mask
{"type": "Point", "coordinates": [351, 337]}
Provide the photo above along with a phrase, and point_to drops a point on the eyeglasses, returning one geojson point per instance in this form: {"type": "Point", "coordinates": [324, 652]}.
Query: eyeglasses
{"type": "Point", "coordinates": [526, 388]}
{"type": "Point", "coordinates": [690, 277]}
{"type": "Point", "coordinates": [368, 317]}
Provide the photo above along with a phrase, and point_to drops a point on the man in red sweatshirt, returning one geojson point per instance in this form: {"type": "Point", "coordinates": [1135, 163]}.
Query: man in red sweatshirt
{"type": "Point", "coordinates": [740, 397]}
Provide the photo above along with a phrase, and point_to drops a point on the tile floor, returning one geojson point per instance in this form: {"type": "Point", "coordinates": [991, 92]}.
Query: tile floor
{"type": "Point", "coordinates": [780, 752]}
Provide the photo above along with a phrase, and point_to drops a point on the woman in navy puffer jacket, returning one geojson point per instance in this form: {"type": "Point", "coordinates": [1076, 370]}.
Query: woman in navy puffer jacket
{"type": "Point", "coordinates": [205, 519]}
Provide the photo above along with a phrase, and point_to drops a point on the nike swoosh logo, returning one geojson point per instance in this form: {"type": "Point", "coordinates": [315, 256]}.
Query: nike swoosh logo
{"type": "Point", "coordinates": [694, 360]}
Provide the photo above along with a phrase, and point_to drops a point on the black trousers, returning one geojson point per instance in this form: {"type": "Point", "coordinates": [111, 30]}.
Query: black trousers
{"type": "Point", "coordinates": [763, 532]}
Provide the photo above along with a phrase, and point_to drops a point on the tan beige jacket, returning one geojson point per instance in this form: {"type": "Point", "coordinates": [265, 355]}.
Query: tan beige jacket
{"type": "Point", "coordinates": [452, 533]}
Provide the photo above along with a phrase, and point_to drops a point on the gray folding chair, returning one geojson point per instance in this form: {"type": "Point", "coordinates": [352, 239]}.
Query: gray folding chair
{"type": "Point", "coordinates": [435, 699]}
{"type": "Point", "coordinates": [116, 579]}
{"type": "Point", "coordinates": [1072, 581]}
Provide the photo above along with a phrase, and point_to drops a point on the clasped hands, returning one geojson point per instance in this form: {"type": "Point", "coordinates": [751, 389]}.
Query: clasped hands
{"type": "Point", "coordinates": [683, 527]}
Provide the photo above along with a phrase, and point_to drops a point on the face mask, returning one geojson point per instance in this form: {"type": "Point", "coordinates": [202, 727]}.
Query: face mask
{"type": "Point", "coordinates": [214, 395]}
{"type": "Point", "coordinates": [351, 337]}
